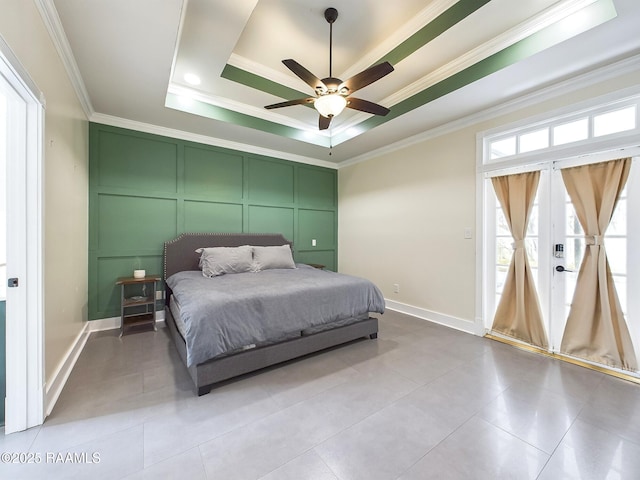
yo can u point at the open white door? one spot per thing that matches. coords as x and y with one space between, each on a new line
24 275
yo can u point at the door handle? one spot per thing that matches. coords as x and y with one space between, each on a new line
560 268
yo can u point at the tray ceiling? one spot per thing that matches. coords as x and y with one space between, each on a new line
451 59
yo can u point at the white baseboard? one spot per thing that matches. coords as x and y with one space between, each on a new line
468 326
53 388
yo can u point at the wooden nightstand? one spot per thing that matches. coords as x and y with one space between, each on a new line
137 302
316 265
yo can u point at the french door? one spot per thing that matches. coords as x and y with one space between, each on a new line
555 245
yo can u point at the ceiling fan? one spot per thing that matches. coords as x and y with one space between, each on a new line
332 94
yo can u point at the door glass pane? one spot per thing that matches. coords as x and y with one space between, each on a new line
501 276
502 228
618 225
531 240
617 254
532 228
570 279
573 226
621 290
504 251
575 243
531 245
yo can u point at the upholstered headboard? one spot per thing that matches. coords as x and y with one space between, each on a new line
180 253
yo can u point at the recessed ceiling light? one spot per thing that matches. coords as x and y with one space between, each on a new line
192 78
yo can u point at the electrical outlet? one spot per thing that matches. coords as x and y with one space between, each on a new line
396 288
313 242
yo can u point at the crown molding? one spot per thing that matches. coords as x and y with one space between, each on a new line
53 24
609 72
206 140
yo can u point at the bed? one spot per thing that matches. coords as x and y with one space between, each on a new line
236 323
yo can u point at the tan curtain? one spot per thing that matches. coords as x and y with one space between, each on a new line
596 329
518 314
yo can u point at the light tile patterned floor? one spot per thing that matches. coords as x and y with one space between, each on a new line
422 401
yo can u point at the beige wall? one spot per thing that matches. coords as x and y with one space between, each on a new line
65 180
401 219
402 215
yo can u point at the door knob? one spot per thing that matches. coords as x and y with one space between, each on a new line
560 268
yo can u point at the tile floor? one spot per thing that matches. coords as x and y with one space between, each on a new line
422 401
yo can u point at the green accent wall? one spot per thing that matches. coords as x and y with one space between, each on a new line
146 189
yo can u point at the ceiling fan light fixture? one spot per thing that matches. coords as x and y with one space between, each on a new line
330 105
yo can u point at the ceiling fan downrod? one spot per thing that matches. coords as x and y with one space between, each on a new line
331 15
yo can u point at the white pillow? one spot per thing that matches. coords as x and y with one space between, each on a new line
216 261
265 258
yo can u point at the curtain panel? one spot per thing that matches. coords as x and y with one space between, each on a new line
518 314
596 329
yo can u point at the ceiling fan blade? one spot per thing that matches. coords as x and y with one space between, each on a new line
367 77
299 101
366 106
308 77
323 122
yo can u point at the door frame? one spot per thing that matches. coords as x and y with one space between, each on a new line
24 404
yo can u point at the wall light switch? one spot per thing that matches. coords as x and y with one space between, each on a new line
313 242
467 233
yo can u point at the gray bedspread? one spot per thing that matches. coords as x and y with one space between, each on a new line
226 313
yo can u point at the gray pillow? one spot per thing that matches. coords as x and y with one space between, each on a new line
265 258
216 261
